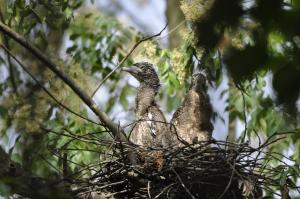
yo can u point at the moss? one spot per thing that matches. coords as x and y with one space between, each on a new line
196 9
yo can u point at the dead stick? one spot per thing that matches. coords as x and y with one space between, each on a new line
183 185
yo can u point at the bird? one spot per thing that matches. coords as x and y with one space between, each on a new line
151 128
191 122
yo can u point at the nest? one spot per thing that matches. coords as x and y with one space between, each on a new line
211 170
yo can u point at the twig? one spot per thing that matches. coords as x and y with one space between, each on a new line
165 189
40 85
267 142
111 184
183 185
195 167
71 83
11 67
148 189
112 194
126 57
172 30
49 163
230 181
74 137
245 117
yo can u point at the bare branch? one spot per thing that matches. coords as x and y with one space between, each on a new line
183 185
126 57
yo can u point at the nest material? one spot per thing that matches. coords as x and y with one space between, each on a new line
211 170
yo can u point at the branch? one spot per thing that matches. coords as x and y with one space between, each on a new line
41 86
183 185
126 57
19 181
114 128
11 67
245 119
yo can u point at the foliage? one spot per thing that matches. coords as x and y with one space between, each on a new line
256 36
44 130
40 131
253 41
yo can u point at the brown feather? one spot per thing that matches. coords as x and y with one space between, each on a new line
192 120
143 133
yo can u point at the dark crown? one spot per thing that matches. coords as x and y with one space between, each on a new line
146 74
199 81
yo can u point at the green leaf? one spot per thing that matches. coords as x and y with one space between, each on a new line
74 36
71 49
283 177
123 96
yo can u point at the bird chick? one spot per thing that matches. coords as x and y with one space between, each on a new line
191 122
151 127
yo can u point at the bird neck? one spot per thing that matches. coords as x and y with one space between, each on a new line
145 98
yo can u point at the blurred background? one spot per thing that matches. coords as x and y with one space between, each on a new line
249 50
149 17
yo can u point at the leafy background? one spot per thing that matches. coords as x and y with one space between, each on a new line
248 49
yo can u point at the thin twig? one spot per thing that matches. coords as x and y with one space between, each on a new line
111 184
245 117
44 88
172 30
183 185
126 57
164 189
103 117
267 142
230 181
148 189
112 194
11 67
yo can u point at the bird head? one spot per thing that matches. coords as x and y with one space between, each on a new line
199 82
144 72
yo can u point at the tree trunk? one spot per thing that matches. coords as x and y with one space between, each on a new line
174 17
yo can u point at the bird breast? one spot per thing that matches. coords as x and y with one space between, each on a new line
190 118
151 130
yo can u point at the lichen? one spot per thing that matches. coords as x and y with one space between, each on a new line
148 52
195 9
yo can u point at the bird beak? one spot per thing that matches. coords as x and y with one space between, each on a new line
134 70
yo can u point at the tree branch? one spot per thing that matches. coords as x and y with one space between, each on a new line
114 128
21 182
9 53
11 67
126 57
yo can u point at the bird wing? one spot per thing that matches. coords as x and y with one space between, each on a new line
191 119
151 123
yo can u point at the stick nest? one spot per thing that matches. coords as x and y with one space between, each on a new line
211 170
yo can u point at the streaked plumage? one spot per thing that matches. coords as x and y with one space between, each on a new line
191 122
151 128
